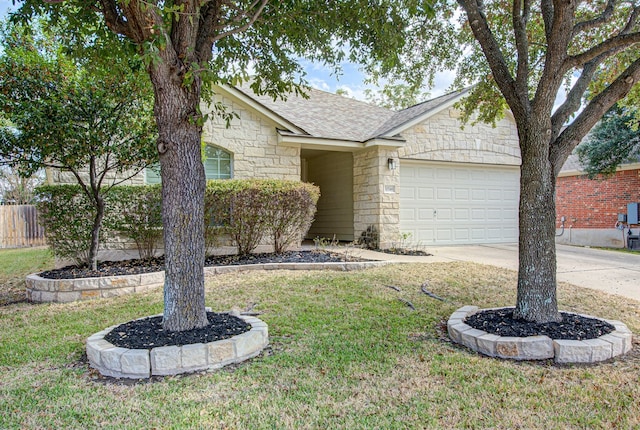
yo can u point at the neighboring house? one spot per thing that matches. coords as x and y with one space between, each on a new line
415 171
591 206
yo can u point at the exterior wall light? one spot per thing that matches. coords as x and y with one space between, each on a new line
392 163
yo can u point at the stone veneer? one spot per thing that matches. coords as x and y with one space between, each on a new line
539 347
252 141
69 290
376 194
117 362
442 138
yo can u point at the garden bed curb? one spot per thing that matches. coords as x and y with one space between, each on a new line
603 348
118 362
43 290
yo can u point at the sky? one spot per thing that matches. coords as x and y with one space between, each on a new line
351 80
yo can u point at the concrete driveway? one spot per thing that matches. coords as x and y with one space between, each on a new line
610 271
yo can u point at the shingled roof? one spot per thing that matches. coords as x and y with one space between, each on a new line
331 116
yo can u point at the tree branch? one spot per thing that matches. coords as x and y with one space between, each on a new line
495 58
607 48
558 37
574 98
241 16
603 18
597 107
520 15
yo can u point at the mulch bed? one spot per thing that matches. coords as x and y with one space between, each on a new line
148 333
135 267
572 327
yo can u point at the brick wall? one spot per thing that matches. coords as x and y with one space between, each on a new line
593 204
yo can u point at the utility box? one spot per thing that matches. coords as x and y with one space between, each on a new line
622 218
633 213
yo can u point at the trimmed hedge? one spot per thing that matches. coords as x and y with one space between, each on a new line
67 216
136 212
249 211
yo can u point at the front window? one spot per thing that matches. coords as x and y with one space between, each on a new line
217 165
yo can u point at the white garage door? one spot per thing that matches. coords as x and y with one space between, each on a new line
447 203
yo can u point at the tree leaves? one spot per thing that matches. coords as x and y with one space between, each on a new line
614 141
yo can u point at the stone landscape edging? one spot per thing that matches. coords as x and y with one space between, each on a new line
118 362
602 348
44 290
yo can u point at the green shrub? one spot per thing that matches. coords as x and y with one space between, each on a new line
290 212
67 216
136 213
250 210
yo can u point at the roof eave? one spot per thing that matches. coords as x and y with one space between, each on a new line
575 172
331 144
426 115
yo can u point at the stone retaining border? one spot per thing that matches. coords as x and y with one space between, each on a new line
603 348
43 290
117 362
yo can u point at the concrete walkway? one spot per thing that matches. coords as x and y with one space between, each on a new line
610 271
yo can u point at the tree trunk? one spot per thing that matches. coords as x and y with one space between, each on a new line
92 258
183 186
537 249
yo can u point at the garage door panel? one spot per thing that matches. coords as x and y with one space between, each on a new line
444 194
461 214
426 193
445 214
478 195
461 203
461 234
444 235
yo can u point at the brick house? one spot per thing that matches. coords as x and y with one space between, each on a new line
591 207
413 171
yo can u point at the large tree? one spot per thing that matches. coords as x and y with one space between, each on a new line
91 119
522 55
189 44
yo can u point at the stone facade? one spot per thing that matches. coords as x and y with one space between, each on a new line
442 137
257 141
376 194
252 141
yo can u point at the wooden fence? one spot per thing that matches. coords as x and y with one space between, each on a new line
19 227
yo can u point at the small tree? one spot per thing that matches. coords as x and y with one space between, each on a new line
613 141
90 119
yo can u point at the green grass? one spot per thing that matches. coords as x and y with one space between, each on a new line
15 265
21 262
345 353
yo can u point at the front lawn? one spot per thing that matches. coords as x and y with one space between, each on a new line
15 264
345 353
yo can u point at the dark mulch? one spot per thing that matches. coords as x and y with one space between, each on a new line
572 326
405 251
134 267
148 333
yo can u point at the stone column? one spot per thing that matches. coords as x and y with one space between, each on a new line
376 194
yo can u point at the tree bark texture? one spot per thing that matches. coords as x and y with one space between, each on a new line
95 232
183 186
536 300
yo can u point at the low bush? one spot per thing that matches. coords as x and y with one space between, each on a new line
136 213
250 210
